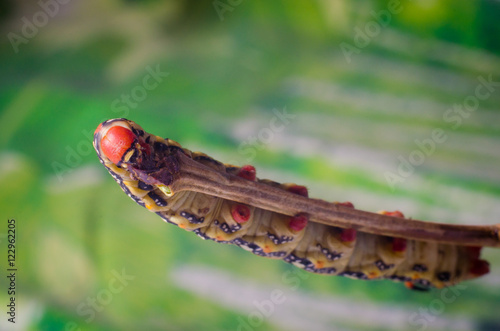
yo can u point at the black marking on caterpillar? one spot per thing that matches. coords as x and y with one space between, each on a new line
397 278
301 262
138 132
332 256
160 147
226 228
325 270
419 268
418 287
127 191
202 235
354 274
157 199
307 265
191 218
382 266
421 284
204 158
444 276
279 240
271 254
249 246
144 186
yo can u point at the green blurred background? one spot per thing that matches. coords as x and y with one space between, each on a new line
361 80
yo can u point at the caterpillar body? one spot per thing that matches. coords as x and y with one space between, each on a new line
137 161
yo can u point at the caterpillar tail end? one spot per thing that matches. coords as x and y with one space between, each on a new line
477 266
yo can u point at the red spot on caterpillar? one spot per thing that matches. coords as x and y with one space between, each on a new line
348 235
479 267
347 204
116 142
398 244
298 222
247 172
240 213
395 213
298 189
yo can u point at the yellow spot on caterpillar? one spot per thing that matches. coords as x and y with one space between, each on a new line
373 274
149 206
219 238
128 155
320 264
166 190
182 225
267 249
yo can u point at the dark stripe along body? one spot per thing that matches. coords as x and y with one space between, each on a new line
316 247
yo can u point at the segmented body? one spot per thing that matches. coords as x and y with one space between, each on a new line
311 246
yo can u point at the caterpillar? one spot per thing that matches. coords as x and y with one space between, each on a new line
148 167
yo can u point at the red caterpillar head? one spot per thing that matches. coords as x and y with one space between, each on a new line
117 140
121 143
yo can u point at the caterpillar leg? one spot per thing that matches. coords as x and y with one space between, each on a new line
325 250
